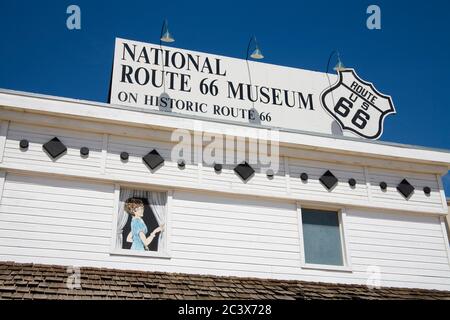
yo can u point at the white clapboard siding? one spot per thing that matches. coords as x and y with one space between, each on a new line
35 157
69 222
400 245
316 169
135 166
259 182
391 195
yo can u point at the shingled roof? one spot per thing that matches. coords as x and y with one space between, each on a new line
35 281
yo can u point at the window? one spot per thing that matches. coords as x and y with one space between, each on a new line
322 237
141 222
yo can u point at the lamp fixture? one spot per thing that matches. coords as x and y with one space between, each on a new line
165 33
339 66
256 54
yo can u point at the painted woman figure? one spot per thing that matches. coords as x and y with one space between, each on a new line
138 233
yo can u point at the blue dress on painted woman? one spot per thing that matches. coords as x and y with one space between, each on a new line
137 226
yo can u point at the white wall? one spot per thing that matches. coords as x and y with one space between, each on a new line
104 163
69 222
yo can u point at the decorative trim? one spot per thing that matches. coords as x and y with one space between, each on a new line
135 253
300 235
328 180
217 167
445 236
127 116
344 238
24 144
200 173
84 152
244 170
55 148
2 184
304 177
327 267
4 126
124 156
368 185
442 193
144 182
104 153
168 249
287 175
153 160
115 210
405 188
181 164
352 182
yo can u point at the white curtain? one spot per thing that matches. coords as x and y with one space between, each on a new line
122 216
158 204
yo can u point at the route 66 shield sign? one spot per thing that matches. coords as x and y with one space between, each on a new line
356 105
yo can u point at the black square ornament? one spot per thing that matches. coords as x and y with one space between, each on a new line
328 180
405 188
54 148
244 170
153 159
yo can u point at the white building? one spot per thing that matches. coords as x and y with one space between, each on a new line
68 210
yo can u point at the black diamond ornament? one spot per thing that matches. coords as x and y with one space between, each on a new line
244 170
405 188
54 148
328 180
153 159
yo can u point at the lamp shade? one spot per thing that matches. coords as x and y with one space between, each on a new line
257 54
167 37
165 33
339 66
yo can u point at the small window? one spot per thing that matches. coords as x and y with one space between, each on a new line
322 237
141 221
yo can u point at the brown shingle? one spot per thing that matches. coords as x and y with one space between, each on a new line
30 281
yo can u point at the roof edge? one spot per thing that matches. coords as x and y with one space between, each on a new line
327 141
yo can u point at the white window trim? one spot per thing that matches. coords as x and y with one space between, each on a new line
165 253
342 215
134 253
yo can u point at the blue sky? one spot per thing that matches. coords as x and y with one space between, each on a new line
408 58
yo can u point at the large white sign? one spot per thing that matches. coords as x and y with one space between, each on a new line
206 85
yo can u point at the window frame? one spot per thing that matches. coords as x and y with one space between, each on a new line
164 253
342 215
